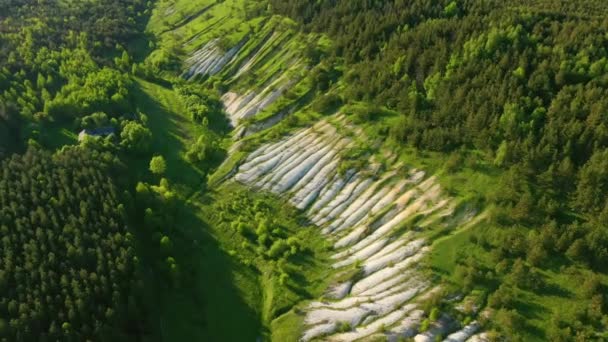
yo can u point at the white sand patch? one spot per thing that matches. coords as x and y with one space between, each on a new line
399 288
407 197
355 315
314 177
242 107
345 303
272 151
415 178
381 199
301 169
275 158
352 316
346 192
365 217
259 152
308 193
271 147
393 246
388 284
292 157
429 184
234 102
210 59
361 214
377 234
419 204
357 209
389 303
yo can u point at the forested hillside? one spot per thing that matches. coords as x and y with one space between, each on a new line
55 58
70 263
525 83
68 267
304 170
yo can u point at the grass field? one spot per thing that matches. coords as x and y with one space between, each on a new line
257 276
229 282
217 293
193 23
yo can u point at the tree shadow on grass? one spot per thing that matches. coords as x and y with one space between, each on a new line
168 140
209 305
206 305
530 310
552 289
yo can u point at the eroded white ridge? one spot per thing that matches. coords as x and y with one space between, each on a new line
463 334
241 107
210 59
370 217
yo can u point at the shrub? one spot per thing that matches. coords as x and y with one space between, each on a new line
278 248
344 327
424 326
158 165
327 103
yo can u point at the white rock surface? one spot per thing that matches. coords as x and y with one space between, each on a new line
210 59
407 327
373 327
438 328
365 219
241 107
481 337
463 334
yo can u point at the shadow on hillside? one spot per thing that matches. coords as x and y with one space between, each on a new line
205 305
212 306
166 128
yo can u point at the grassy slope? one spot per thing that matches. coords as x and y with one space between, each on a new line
227 20
261 288
185 23
197 310
469 181
227 286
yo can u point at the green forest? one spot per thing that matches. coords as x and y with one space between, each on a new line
327 170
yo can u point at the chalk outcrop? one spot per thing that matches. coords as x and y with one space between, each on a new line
369 216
